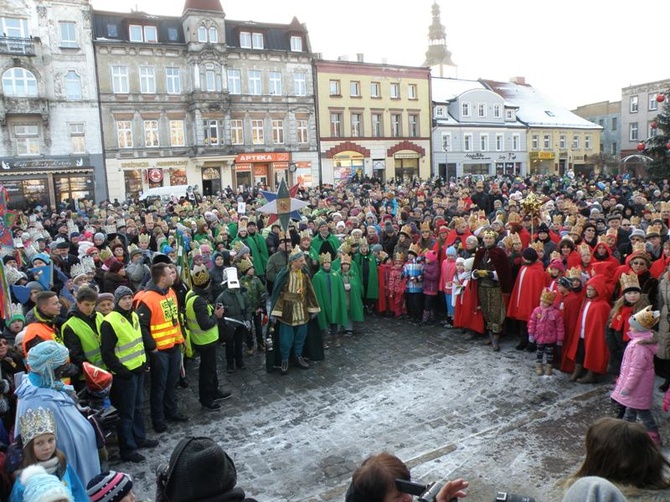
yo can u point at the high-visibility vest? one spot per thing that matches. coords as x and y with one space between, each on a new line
129 344
89 338
41 331
164 323
199 336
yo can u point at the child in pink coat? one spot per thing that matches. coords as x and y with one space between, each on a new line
635 386
447 273
546 330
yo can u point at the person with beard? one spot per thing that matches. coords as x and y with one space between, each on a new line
526 294
324 241
492 272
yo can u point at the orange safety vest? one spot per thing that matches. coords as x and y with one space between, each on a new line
38 330
164 323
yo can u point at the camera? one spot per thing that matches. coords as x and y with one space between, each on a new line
426 493
511 497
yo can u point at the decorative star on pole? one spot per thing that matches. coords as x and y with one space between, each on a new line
282 205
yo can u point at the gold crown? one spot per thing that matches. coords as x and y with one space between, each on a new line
514 218
628 281
557 219
548 296
325 258
555 255
105 254
425 227
306 234
647 318
573 273
537 246
489 232
605 239
34 423
653 230
144 238
640 248
399 256
244 265
584 248
345 258
635 220
414 248
665 207
407 230
656 216
200 275
458 221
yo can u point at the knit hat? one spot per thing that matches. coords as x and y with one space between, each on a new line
388 227
543 228
200 276
529 254
645 319
104 296
198 469
99 236
8 258
120 292
377 248
451 251
41 256
109 486
566 283
114 265
35 286
557 264
39 486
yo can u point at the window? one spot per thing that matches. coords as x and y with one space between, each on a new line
563 142
27 139
173 80
173 35
395 90
377 125
446 142
213 35
150 34
211 78
653 104
236 132
77 138
296 44
147 80
587 141
275 83
120 80
411 91
211 129
356 125
257 132
440 111
484 142
516 142
257 40
465 109
112 31
614 123
255 85
124 133
481 110
301 131
17 82
500 142
14 28
375 89
497 111
278 132
335 124
72 86
245 40
208 34
68 34
177 133
575 142
634 104
413 125
151 133
140 33
546 142
633 133
234 82
202 34
299 84
651 131
614 148
396 125
467 142
355 89
334 86
509 115
535 142
601 123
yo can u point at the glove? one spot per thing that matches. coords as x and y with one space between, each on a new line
531 339
475 273
489 274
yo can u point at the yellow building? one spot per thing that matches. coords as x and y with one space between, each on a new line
374 120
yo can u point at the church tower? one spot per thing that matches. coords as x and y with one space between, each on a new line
438 56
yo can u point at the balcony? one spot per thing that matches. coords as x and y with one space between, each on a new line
23 106
17 46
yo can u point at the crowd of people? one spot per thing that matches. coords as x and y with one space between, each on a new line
576 270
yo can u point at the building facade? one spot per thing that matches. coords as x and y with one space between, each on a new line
204 101
474 131
374 120
608 116
639 108
50 145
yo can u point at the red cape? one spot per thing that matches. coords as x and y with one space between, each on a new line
526 293
467 314
572 303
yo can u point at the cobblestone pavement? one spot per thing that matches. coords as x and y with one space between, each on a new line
446 405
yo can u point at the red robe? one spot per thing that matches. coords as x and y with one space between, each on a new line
526 292
383 270
453 238
592 317
467 314
569 306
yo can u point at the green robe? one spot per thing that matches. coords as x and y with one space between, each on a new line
259 251
355 307
333 301
372 292
319 245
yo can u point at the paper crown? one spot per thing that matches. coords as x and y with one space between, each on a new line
144 239
425 226
295 254
345 258
488 232
514 218
629 282
653 231
200 276
645 319
305 234
13 275
105 254
399 256
665 206
77 269
88 263
555 255
244 265
557 219
584 248
15 312
537 246
634 220
548 296
324 258
34 423
415 248
574 273
110 229
407 230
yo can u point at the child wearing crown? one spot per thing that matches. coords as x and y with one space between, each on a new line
38 434
635 386
547 330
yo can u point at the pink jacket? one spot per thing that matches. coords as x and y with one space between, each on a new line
545 324
431 278
448 270
635 386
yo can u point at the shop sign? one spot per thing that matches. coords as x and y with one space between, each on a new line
7 164
263 157
540 155
155 175
477 156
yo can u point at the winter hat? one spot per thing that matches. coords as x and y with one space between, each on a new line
35 286
8 258
431 256
120 292
638 232
451 251
593 488
99 236
200 276
566 283
198 469
41 256
645 319
543 228
104 296
43 360
388 227
114 265
468 264
109 486
39 486
471 239
557 264
529 254
377 248
135 252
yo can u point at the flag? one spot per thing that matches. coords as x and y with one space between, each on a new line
7 219
5 296
182 259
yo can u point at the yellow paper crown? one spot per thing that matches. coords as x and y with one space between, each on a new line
345 258
324 258
425 226
629 280
414 248
537 246
647 318
548 296
144 238
573 273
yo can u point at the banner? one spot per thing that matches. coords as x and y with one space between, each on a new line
7 219
5 296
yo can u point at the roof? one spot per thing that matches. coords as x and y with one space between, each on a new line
210 5
536 109
448 89
277 36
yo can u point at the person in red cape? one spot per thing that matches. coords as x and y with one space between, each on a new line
639 262
588 348
440 246
555 271
602 261
383 270
568 301
467 315
458 234
659 267
526 295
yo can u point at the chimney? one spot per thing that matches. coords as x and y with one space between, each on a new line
518 80
360 57
343 58
318 55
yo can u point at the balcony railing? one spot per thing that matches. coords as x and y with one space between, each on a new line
16 45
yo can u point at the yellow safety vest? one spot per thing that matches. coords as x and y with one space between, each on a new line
90 339
129 345
199 336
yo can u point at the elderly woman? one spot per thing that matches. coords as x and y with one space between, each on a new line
42 387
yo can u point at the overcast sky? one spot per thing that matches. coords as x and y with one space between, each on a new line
574 51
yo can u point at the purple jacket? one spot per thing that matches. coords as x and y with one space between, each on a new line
635 386
545 324
431 277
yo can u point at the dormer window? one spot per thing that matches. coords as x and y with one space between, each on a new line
296 44
139 33
251 40
206 34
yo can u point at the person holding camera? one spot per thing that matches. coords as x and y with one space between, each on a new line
384 477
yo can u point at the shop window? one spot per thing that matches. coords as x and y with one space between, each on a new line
178 176
71 189
133 182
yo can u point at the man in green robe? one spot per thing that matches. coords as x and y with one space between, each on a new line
324 241
367 269
353 293
329 290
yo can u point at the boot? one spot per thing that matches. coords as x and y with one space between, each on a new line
539 369
489 339
284 366
495 342
590 377
579 368
549 370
